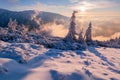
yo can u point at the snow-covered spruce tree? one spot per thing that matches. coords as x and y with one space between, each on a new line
119 41
16 33
3 32
11 32
80 38
22 33
71 34
83 44
12 25
88 35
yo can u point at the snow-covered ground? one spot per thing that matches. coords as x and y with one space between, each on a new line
26 61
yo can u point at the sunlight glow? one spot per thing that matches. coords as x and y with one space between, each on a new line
82 9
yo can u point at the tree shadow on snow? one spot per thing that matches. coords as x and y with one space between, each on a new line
14 71
98 54
73 76
81 53
40 59
55 75
114 70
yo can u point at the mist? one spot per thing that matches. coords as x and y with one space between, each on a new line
103 27
57 30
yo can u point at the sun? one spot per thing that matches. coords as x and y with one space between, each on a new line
82 9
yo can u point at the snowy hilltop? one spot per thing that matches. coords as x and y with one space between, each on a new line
27 61
34 54
31 18
22 34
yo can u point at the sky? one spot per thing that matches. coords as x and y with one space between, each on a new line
62 6
104 14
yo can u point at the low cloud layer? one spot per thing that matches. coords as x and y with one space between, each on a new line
102 29
55 29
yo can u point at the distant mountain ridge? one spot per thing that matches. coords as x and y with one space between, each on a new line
31 18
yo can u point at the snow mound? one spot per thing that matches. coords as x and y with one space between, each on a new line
11 70
96 63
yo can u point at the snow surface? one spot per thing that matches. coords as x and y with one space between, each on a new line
27 61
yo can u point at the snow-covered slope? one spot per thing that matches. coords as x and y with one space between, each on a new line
26 61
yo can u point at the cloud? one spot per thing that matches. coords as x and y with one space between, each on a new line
73 1
65 9
43 7
94 4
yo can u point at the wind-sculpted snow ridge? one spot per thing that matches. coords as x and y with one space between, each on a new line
27 61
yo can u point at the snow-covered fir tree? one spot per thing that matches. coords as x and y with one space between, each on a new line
71 34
